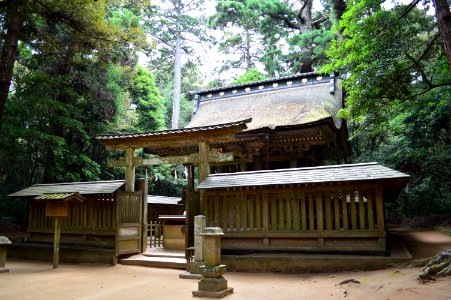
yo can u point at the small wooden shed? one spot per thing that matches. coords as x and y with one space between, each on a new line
108 217
322 209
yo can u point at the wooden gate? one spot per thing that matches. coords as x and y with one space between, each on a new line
129 220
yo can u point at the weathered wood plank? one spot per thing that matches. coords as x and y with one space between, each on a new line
273 211
361 210
370 209
336 210
380 209
288 203
265 212
296 217
251 211
327 204
303 198
344 209
353 208
319 211
311 211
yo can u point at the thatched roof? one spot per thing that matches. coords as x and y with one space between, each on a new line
271 104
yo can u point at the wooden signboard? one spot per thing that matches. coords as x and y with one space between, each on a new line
56 208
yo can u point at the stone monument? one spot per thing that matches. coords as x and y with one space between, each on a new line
212 284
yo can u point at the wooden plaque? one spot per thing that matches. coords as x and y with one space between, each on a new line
56 208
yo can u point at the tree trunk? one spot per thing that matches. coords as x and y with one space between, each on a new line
248 56
9 53
443 16
177 70
338 9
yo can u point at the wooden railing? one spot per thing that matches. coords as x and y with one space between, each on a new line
155 233
318 212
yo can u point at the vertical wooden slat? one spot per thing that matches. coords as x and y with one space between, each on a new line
327 204
265 212
244 211
336 210
319 211
251 211
232 209
353 209
217 202
370 208
238 211
273 211
258 205
303 198
361 210
311 211
296 219
288 202
281 211
380 209
224 211
344 209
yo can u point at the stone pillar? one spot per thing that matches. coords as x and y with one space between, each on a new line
212 284
194 266
4 242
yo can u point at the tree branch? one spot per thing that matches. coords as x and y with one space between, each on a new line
287 21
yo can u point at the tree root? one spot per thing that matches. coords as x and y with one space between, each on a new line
438 266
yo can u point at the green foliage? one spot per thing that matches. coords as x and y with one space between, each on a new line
250 76
398 108
272 25
146 96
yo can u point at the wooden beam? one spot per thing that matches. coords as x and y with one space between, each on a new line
213 157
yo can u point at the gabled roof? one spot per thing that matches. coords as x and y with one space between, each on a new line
82 188
324 174
287 101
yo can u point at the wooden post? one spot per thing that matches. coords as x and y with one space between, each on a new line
56 243
129 170
204 170
144 189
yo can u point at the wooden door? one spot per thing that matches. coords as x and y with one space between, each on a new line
129 223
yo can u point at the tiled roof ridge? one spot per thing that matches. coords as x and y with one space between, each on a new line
274 79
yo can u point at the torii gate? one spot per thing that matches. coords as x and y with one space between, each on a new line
196 138
201 137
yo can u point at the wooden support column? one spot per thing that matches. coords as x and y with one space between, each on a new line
204 170
129 170
56 243
143 187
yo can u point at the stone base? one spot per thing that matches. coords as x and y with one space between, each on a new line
220 294
194 267
188 275
4 270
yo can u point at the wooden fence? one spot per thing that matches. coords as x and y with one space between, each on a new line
155 233
326 218
92 221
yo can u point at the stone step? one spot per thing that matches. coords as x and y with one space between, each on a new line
164 253
152 261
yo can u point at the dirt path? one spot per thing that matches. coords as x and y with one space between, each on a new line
36 280
424 243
